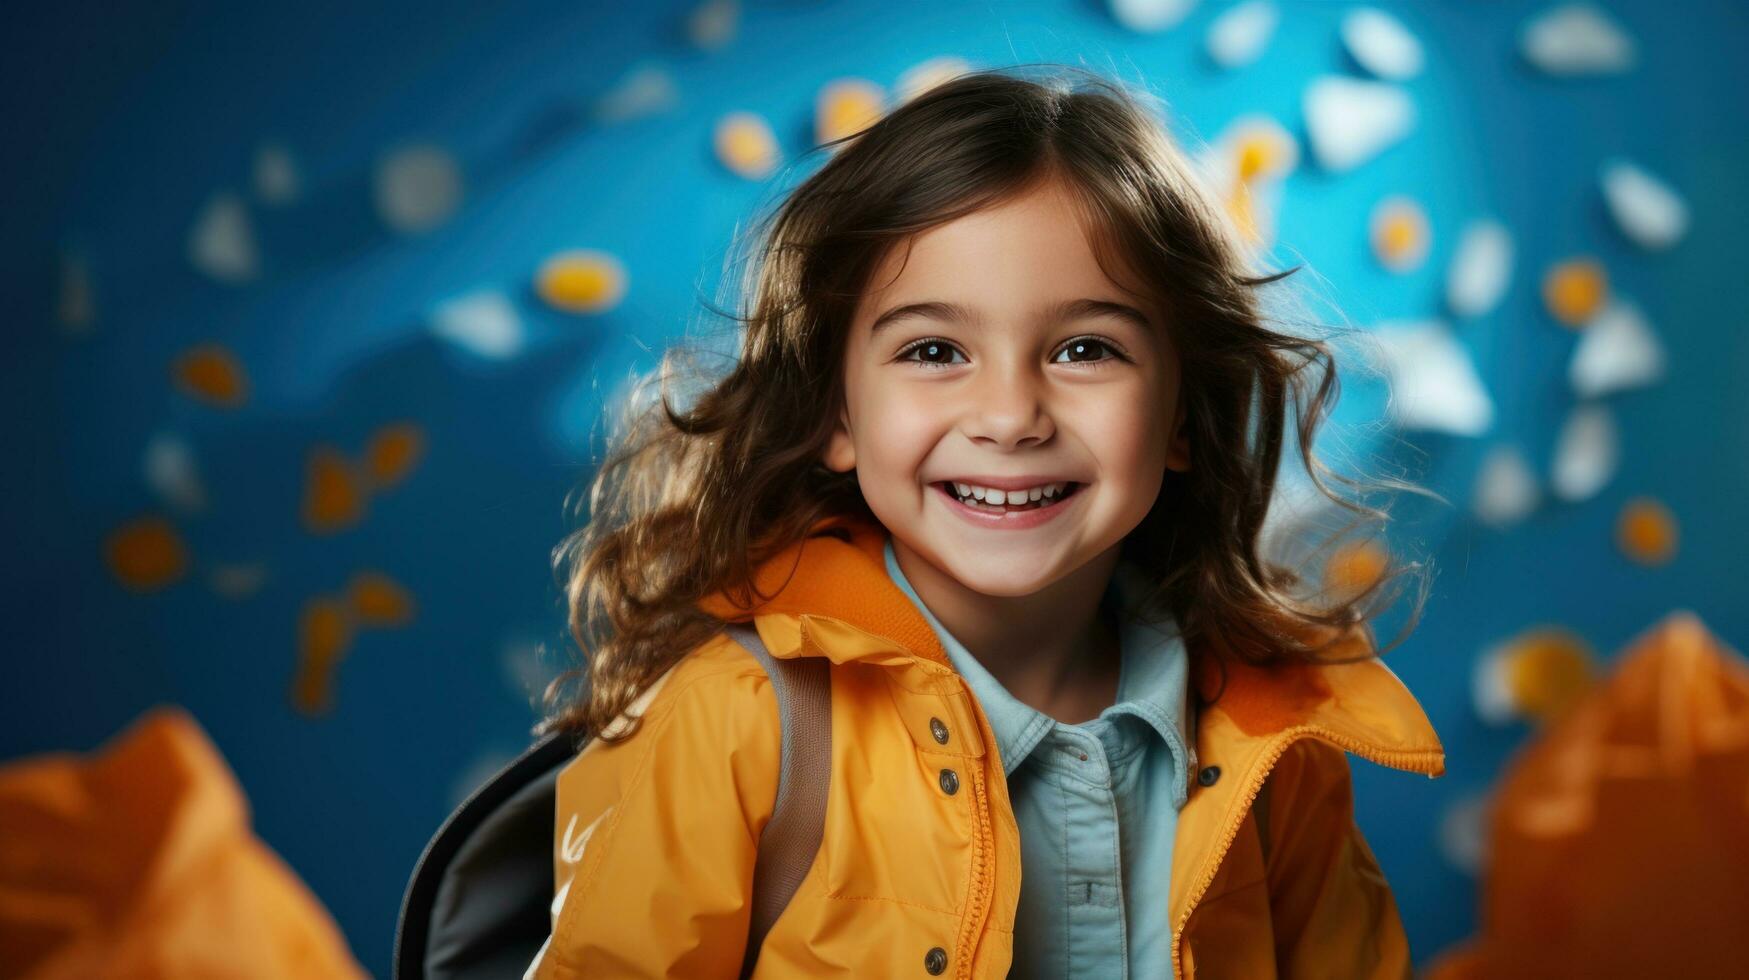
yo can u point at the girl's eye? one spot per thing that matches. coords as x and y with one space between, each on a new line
934 352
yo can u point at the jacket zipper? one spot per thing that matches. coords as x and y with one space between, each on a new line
1411 760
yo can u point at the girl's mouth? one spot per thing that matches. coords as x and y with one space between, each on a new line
1044 502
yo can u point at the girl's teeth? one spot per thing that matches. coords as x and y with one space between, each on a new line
1035 493
1011 498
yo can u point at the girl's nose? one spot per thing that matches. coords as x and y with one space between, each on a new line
1008 409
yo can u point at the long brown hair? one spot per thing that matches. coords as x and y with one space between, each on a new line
692 498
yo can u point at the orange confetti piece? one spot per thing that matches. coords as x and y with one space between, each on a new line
333 499
1646 531
324 636
1547 671
1575 291
581 281
378 600
1354 567
393 452
146 555
211 373
847 107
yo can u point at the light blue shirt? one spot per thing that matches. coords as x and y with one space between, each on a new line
1097 803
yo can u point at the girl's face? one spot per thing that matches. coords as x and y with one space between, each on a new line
999 355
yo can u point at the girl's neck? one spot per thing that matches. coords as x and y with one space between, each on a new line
1052 650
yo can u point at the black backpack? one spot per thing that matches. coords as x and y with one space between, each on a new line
478 903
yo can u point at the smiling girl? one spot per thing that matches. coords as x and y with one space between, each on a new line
997 447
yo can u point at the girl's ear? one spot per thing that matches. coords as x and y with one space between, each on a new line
1178 453
840 453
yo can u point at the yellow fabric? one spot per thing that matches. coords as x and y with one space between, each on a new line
656 837
138 862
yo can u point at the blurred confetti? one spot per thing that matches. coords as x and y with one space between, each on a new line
1575 290
1506 490
1149 16
1536 675
1648 211
146 554
1401 235
744 143
485 324
276 176
581 281
417 188
1241 33
212 374
1354 567
1379 43
392 453
75 305
926 75
171 473
377 600
333 493
846 107
1434 384
1349 121
324 636
1463 833
1618 350
1246 167
1480 270
1576 39
222 242
646 90
1586 453
237 580
1646 531
712 24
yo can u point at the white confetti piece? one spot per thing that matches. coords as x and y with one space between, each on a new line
746 145
644 91
1617 350
1239 36
238 580
1586 453
276 176
171 473
1148 16
1576 39
1506 490
76 304
713 24
1463 833
417 188
1648 211
922 77
1349 122
1480 269
484 323
222 242
1434 385
1381 44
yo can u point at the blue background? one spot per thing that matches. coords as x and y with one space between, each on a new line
124 118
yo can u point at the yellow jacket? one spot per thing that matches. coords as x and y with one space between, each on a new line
656 837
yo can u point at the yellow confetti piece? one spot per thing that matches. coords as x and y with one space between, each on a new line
1400 234
146 554
333 498
847 107
1243 212
920 78
393 452
1353 568
378 600
581 281
1263 151
1646 531
746 145
1575 291
1547 670
324 636
211 373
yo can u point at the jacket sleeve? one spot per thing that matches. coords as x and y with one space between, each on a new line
1332 910
655 837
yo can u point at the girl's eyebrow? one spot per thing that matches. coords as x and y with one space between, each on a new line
1074 309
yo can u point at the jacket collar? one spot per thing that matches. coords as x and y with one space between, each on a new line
834 585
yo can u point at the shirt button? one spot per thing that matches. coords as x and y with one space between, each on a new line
935 961
1208 775
939 730
950 782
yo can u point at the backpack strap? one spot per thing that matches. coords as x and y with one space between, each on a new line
791 839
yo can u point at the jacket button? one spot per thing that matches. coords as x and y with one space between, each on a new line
939 730
935 961
950 782
1208 775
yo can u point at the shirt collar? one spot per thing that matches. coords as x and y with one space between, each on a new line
1152 686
